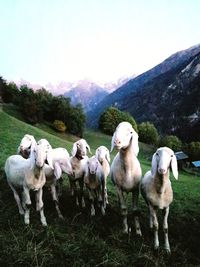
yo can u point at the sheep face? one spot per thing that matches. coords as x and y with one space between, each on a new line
25 145
43 152
162 160
122 137
80 148
92 165
102 153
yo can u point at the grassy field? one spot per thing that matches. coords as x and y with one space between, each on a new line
79 240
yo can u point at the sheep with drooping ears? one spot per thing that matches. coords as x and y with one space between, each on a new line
103 156
61 163
95 183
78 161
157 191
125 169
28 174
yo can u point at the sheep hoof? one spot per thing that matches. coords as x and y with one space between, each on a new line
21 212
44 223
138 232
27 221
61 217
103 211
168 251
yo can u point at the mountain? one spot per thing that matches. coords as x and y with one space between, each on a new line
87 93
167 95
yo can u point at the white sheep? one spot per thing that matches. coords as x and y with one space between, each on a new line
26 174
157 191
103 156
125 169
25 145
94 181
78 161
61 163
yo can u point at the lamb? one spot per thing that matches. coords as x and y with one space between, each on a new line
94 181
125 169
25 145
157 191
26 174
103 156
78 161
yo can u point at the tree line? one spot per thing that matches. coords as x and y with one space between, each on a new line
41 105
147 132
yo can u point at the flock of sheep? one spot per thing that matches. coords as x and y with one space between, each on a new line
37 164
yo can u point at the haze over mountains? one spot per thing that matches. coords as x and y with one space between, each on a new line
167 95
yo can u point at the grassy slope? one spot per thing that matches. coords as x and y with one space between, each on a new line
80 240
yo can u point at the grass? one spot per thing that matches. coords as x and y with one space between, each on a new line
79 240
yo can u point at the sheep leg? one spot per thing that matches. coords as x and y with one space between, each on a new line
81 185
103 195
165 229
40 206
71 183
124 211
17 198
55 199
134 205
59 186
100 200
91 198
155 225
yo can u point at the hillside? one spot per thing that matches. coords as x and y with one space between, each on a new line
167 95
79 240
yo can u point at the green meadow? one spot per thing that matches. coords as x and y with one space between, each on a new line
80 240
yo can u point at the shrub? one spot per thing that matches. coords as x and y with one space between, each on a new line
111 117
59 126
172 142
193 150
148 133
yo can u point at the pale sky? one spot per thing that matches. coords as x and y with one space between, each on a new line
52 40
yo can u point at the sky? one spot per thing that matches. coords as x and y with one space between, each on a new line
47 41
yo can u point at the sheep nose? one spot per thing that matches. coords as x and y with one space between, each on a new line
21 147
117 142
162 171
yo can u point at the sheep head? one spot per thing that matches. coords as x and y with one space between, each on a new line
92 165
80 148
43 152
102 153
63 165
162 160
25 145
123 136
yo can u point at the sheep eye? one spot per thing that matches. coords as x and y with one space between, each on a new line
29 147
131 132
172 156
157 154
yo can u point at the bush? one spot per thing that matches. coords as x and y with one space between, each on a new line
148 133
172 142
111 117
193 150
59 126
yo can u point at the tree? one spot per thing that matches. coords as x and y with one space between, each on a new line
193 150
172 142
148 133
111 117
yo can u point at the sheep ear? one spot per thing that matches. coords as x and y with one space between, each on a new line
135 142
154 165
57 170
96 154
18 150
50 159
174 167
88 148
108 156
74 150
112 142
